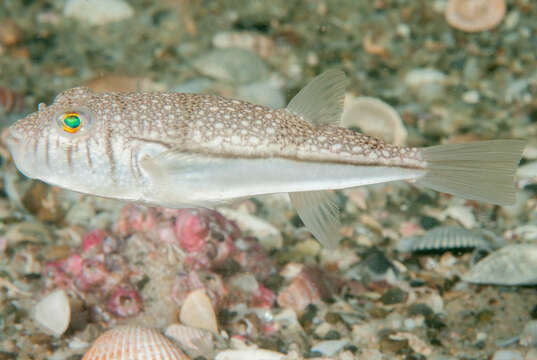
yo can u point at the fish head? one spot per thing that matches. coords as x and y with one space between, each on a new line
62 143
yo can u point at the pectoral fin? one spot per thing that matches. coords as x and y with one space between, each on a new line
320 214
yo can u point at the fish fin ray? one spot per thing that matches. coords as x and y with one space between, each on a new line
320 214
482 171
321 101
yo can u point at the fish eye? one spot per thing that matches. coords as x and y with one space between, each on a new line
72 121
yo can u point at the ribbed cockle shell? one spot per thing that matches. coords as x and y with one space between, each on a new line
133 343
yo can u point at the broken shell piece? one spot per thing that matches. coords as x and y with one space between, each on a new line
309 286
196 342
511 265
53 312
133 343
249 354
269 236
197 311
474 15
374 117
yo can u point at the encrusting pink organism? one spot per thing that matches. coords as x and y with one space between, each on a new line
134 219
93 239
99 269
191 230
124 301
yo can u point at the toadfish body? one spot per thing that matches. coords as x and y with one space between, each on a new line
191 150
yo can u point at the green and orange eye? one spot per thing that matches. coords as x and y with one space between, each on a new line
71 122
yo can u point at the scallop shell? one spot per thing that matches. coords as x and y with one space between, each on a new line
474 15
193 341
197 311
449 237
511 265
133 343
374 117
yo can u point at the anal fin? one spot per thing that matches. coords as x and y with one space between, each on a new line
320 214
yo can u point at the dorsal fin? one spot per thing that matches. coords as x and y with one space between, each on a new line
321 101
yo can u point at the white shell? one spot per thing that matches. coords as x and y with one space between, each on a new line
511 265
374 117
194 341
197 311
330 347
269 236
249 354
133 343
53 312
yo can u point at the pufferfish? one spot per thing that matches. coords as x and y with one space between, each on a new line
192 150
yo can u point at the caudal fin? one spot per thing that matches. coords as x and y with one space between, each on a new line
481 171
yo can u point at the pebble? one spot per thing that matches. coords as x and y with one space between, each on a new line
232 65
415 343
98 12
374 117
268 235
198 312
420 77
10 33
471 97
515 90
192 86
529 334
53 312
393 296
121 83
262 93
510 265
257 43
249 354
507 355
462 214
330 347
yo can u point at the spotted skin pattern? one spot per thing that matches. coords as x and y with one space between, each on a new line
219 126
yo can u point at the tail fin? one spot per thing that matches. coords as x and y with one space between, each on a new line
481 171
